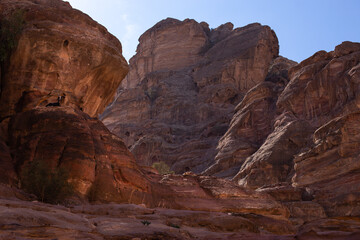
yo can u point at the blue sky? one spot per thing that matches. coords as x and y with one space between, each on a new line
303 27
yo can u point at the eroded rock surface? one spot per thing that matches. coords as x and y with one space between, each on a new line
60 51
184 82
252 124
98 162
113 221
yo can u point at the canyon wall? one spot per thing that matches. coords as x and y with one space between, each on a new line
182 87
217 102
62 52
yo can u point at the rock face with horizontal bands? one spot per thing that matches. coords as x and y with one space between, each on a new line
184 82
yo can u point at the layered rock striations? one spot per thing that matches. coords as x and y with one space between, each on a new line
182 87
66 134
60 51
252 122
312 140
62 54
217 101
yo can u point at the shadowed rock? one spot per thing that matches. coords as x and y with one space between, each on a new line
184 82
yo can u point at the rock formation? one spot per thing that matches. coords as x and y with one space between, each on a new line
313 135
220 101
183 84
62 53
67 135
293 134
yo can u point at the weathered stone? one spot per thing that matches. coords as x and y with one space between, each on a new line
273 163
323 87
98 162
61 51
332 228
29 220
183 84
251 124
331 166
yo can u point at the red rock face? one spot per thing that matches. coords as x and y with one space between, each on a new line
63 52
64 137
60 51
99 164
178 98
292 146
250 126
312 139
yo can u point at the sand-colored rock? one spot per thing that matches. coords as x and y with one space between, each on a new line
183 85
60 51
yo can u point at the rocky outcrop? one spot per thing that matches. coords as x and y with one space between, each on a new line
21 219
330 168
182 87
251 124
309 138
61 51
98 162
67 135
63 71
277 119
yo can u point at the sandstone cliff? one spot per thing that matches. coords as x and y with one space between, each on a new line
69 136
311 137
62 52
182 87
217 100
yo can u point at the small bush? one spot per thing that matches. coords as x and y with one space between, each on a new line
47 185
162 168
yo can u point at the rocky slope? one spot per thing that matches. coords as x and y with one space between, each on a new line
33 220
182 87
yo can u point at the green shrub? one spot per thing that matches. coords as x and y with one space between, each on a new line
47 185
162 168
10 29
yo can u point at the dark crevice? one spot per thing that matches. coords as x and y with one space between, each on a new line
61 158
